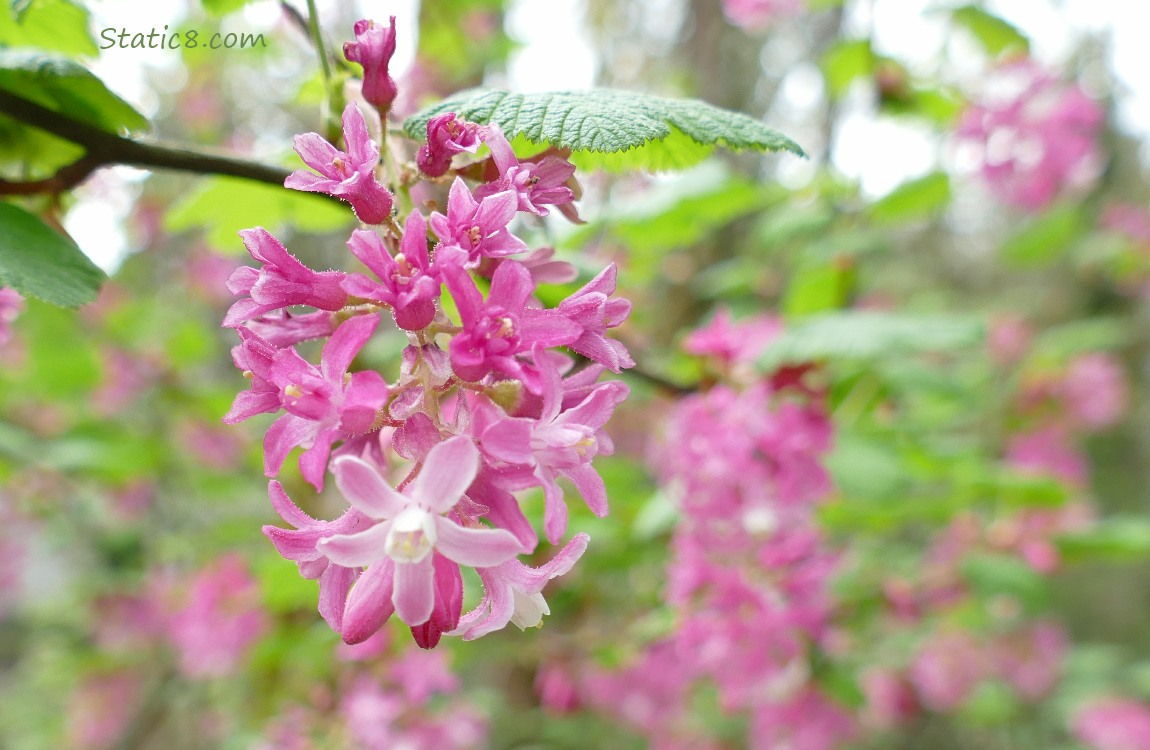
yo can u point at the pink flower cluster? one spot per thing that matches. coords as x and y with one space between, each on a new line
483 405
749 574
1034 136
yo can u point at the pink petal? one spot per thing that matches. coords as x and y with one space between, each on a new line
532 580
554 507
590 486
344 344
414 595
369 604
360 147
358 549
509 441
284 434
493 613
478 548
287 510
511 285
316 152
333 587
448 471
366 489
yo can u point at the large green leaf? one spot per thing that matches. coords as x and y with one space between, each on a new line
42 263
612 129
55 25
869 335
67 87
914 199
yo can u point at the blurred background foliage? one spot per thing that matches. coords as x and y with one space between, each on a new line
942 323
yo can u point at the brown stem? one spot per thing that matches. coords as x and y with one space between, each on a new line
105 149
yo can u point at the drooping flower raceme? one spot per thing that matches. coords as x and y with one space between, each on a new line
482 406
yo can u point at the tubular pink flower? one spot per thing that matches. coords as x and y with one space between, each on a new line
496 330
447 135
323 404
412 526
347 175
254 357
535 184
479 228
409 283
282 329
592 309
299 545
559 443
373 47
513 592
280 282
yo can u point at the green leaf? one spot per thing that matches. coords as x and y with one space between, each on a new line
845 62
53 25
1119 539
39 262
225 205
611 129
1060 343
1044 238
67 87
222 7
869 335
994 34
914 199
994 574
815 289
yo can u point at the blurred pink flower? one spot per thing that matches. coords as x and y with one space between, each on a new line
1047 451
1031 659
1114 724
1008 339
1035 136
101 708
1095 391
221 620
890 700
947 668
1129 220
11 303
754 15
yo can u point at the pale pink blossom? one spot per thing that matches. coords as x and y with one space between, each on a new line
1114 724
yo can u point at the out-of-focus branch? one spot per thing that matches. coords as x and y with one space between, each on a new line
106 149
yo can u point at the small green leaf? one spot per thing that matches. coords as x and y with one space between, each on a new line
869 335
612 129
37 261
845 62
225 205
914 199
1044 238
995 574
815 289
67 87
994 34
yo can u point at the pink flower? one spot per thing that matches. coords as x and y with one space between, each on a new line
1047 451
1035 136
323 404
1094 391
254 357
11 303
373 47
535 184
559 443
398 550
1008 339
947 669
1031 660
731 342
500 328
593 310
101 709
221 620
409 283
282 328
1114 724
446 136
754 15
808 721
513 592
478 227
280 282
348 175
300 545
1129 220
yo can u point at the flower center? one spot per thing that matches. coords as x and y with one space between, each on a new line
412 535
